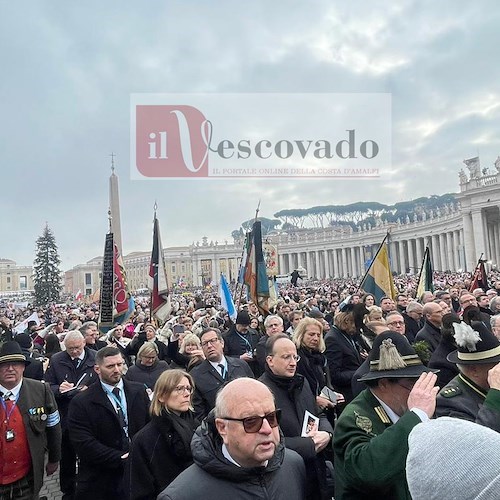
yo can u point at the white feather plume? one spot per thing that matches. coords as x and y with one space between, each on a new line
465 336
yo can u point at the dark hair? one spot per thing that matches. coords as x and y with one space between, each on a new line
447 327
272 340
52 345
105 352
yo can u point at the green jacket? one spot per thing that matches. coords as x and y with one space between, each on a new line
370 451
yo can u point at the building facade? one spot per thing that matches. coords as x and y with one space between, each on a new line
457 236
14 278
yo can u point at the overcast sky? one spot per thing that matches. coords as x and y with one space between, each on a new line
69 68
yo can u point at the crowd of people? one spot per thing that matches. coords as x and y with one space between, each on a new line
335 393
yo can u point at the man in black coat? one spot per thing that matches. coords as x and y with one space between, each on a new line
102 420
210 375
431 331
241 341
294 397
69 372
413 320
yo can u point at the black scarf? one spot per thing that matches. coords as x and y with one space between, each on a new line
177 431
312 366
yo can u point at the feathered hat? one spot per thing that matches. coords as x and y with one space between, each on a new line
392 356
475 344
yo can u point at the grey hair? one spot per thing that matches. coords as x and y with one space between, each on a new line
87 326
73 335
493 320
270 318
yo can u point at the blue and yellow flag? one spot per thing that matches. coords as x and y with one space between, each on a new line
378 280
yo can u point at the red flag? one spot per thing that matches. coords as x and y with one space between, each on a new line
480 279
160 298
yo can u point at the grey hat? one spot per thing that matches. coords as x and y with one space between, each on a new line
454 459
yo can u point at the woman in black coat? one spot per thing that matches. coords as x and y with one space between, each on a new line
148 367
162 449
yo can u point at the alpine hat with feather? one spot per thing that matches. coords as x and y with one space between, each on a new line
392 356
476 345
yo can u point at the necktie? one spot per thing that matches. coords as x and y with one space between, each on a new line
76 362
121 417
6 396
222 369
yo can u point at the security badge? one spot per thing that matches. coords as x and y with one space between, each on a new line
9 435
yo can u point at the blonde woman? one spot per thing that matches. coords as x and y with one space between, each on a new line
161 450
185 354
147 367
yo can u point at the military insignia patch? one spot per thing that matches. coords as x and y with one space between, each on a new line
450 392
364 423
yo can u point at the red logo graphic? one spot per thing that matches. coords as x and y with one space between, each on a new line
172 141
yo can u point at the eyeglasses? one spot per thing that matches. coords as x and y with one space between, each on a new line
396 323
252 425
210 341
180 389
289 357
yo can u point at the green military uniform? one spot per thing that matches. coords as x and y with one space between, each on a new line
370 451
464 399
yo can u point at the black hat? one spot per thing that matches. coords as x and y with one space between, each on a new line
392 356
10 352
316 313
24 340
476 345
243 318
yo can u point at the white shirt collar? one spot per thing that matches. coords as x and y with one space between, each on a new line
109 388
15 390
390 413
216 364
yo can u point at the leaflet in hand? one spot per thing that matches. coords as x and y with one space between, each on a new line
329 394
81 382
310 422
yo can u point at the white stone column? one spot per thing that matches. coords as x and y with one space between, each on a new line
496 235
469 243
310 270
449 248
411 259
435 252
326 254
419 251
442 252
353 263
216 270
403 260
317 259
344 262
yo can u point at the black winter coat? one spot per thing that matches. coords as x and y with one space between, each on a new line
293 397
159 453
146 375
96 435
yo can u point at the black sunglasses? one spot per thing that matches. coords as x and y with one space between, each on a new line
254 424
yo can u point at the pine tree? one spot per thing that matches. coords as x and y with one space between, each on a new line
47 276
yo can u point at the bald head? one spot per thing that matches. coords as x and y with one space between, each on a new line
433 313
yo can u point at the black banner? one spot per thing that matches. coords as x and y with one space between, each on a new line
107 283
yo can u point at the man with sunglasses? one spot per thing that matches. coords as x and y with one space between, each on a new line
238 452
370 434
212 373
294 397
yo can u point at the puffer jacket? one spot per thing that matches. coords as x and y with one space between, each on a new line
213 477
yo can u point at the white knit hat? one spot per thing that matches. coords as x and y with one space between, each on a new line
452 459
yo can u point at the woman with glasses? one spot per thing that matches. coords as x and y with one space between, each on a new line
148 367
162 449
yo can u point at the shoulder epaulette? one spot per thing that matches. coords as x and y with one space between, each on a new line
379 410
451 392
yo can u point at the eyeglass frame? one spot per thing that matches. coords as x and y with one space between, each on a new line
206 343
180 389
288 357
274 415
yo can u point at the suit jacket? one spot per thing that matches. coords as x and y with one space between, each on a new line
37 397
96 434
60 369
430 334
208 381
35 369
343 360
370 451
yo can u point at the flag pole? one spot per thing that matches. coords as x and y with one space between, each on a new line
155 208
373 260
421 269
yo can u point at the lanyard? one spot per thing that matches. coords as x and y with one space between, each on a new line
119 404
9 413
249 346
